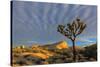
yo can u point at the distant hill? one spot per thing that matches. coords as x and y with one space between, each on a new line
77 48
93 46
57 45
91 51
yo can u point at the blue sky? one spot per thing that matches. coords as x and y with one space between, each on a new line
36 22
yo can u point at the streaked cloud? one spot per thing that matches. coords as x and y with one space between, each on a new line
37 21
85 40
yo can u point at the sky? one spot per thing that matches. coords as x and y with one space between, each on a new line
36 22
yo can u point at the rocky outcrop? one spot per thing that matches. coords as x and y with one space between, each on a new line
62 45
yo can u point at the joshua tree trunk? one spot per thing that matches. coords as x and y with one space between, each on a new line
74 51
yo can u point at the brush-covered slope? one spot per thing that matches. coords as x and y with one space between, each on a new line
58 52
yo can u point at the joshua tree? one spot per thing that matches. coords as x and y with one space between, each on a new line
71 31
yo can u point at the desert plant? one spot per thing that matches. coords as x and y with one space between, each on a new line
54 59
71 31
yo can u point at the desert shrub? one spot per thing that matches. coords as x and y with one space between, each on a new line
59 59
35 60
62 56
15 55
21 62
68 60
67 52
64 52
53 59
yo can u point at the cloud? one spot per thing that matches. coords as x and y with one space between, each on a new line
32 42
88 40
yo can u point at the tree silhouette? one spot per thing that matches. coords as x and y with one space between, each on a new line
71 31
